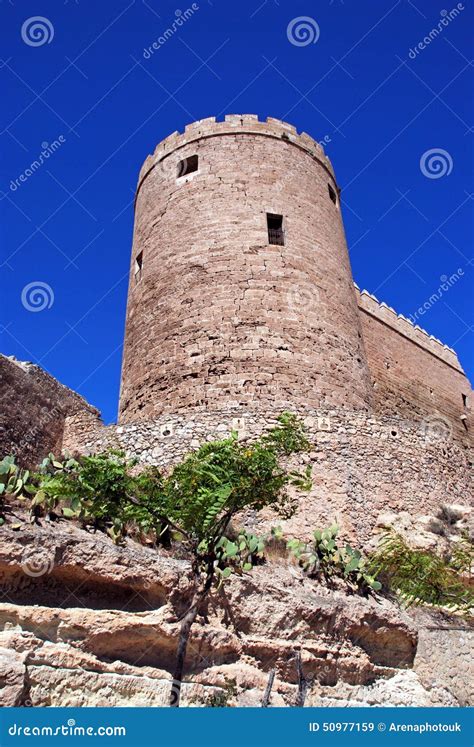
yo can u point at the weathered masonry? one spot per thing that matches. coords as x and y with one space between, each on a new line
242 304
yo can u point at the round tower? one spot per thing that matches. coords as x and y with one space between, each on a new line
241 292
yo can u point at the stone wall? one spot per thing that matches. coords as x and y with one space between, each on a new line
33 406
444 653
217 316
362 464
415 376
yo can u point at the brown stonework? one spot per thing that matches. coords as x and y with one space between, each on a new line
361 464
33 408
415 376
225 330
216 314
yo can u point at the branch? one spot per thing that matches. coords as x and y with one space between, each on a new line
268 689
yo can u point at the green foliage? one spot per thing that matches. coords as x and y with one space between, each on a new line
324 557
13 479
222 478
421 577
195 501
221 698
52 484
462 557
289 437
97 490
236 556
14 482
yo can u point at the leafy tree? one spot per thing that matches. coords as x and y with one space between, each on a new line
206 491
195 503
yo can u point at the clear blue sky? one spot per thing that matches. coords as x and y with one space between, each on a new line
69 225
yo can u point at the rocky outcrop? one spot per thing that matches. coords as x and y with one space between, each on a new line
103 630
434 533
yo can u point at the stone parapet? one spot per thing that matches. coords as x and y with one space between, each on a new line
404 326
236 124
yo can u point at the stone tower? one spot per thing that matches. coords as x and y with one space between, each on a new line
241 292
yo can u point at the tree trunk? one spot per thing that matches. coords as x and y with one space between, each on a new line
268 689
185 630
302 682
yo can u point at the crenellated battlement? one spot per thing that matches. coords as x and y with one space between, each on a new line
248 124
404 326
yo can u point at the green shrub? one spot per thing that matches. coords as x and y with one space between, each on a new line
325 558
420 576
195 503
14 482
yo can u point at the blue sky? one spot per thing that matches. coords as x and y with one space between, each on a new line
81 79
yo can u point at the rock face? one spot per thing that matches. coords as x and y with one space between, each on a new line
103 631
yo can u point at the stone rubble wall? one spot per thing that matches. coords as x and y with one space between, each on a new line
33 407
362 465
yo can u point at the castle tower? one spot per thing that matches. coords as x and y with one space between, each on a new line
241 292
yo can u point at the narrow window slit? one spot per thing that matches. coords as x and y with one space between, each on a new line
138 267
